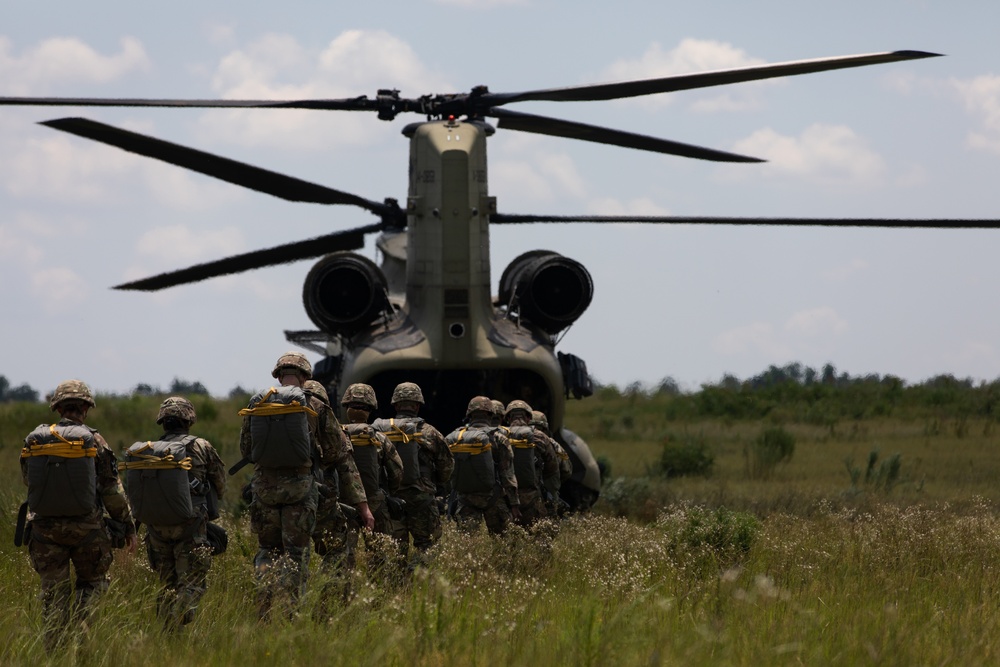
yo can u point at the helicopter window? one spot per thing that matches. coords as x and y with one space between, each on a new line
457 330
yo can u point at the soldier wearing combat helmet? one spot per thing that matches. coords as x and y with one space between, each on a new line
427 466
284 431
177 543
68 511
484 476
536 463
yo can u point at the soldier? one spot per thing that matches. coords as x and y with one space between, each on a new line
536 465
72 478
496 420
484 473
427 466
378 462
554 503
284 432
176 502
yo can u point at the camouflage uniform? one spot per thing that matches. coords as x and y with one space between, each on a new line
283 513
496 507
56 541
536 465
181 554
427 467
554 504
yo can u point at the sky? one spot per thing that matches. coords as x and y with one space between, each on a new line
912 139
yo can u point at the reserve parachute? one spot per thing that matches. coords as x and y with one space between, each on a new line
159 482
61 470
279 428
474 471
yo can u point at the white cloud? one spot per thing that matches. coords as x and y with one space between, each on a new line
754 337
538 176
277 67
58 287
816 322
59 60
178 245
981 96
826 154
691 55
844 272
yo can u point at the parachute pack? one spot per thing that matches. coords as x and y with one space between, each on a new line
279 428
159 483
473 452
407 436
522 442
61 470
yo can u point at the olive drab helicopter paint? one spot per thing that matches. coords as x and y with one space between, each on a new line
427 313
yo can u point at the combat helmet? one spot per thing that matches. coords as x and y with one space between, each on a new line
480 404
317 389
293 360
539 420
407 391
361 393
497 408
72 390
517 405
177 407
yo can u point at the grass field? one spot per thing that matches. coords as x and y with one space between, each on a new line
803 567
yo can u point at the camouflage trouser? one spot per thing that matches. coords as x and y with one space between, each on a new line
421 520
474 508
283 516
182 557
53 545
532 507
332 536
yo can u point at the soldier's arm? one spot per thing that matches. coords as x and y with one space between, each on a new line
335 448
109 486
215 469
392 464
245 438
444 462
550 462
503 457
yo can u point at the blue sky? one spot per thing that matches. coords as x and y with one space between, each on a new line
915 139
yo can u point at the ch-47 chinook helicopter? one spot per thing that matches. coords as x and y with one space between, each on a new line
427 314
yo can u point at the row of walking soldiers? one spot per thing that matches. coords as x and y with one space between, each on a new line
315 481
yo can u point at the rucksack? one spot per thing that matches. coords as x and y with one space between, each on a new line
62 470
159 483
473 452
279 428
522 442
407 435
367 455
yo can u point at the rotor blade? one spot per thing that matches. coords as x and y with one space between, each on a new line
909 223
350 104
613 91
351 239
238 173
555 127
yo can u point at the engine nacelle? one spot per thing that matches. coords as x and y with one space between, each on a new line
344 293
547 289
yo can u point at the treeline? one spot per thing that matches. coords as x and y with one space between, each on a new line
799 393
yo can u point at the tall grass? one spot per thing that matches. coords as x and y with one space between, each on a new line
725 570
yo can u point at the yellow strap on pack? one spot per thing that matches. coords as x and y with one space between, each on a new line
522 444
153 462
68 449
460 447
363 440
399 435
263 409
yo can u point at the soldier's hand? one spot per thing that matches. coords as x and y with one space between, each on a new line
365 514
515 511
131 544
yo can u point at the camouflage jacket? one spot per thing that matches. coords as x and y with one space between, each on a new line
206 464
546 458
435 460
109 489
503 458
332 448
383 470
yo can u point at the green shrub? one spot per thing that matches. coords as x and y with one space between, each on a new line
685 455
877 476
773 446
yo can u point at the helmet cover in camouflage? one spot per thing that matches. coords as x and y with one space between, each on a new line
539 419
72 390
407 391
517 405
293 360
480 404
316 388
179 407
497 407
360 393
